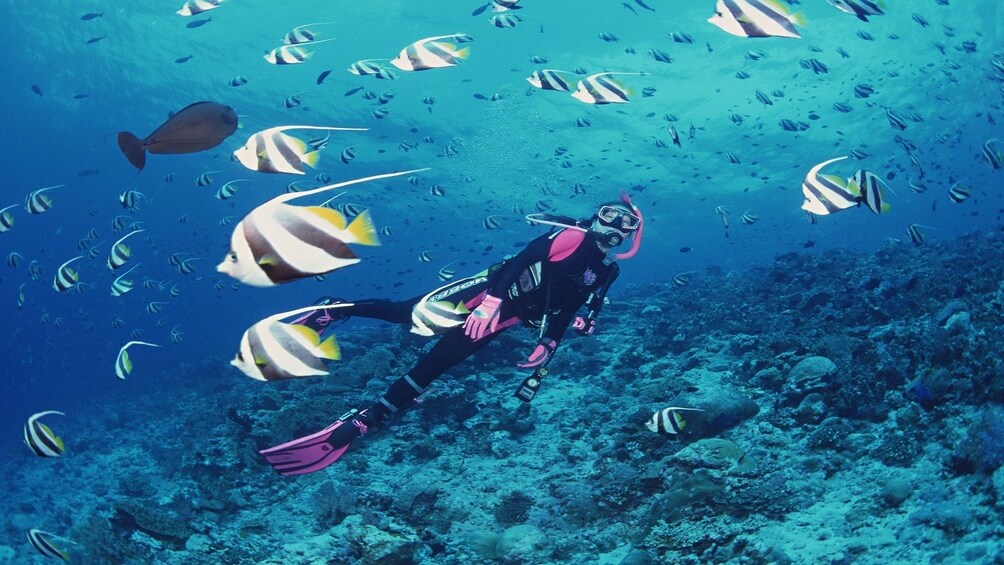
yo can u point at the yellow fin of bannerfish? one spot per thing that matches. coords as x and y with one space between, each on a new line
51 435
461 308
309 333
836 180
311 158
126 362
462 53
268 260
362 229
330 350
260 361
333 217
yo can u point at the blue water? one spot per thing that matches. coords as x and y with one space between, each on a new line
504 156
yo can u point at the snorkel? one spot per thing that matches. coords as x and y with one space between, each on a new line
636 241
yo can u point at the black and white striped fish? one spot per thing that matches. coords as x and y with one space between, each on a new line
756 18
271 151
993 155
370 67
916 234
228 190
446 273
123 363
601 89
825 194
669 421
682 279
957 193
895 120
301 34
432 53
6 218
278 242
37 202
120 252
66 278
872 190
749 218
491 222
549 79
130 199
434 313
291 54
40 439
272 350
860 9
193 7
122 285
42 544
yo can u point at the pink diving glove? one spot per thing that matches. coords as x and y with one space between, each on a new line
540 354
484 319
584 326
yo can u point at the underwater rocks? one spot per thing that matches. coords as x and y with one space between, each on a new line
812 374
159 523
723 407
524 543
715 453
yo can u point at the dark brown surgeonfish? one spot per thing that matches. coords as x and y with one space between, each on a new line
197 127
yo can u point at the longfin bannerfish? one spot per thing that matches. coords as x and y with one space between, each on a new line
123 363
120 252
825 194
279 242
492 222
749 218
121 285
37 202
40 439
271 151
431 53
916 234
756 18
274 350
43 544
682 279
872 190
503 21
66 278
669 421
369 67
550 79
993 155
860 9
185 267
957 193
6 218
14 259
601 89
445 273
292 54
193 7
300 34
228 190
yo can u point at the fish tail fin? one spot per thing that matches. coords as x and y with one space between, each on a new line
885 208
363 230
329 349
463 53
799 19
132 148
311 158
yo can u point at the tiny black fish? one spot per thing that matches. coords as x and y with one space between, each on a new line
91 16
686 249
184 59
96 39
198 23
322 76
36 89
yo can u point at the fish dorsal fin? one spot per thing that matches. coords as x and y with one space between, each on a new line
329 349
835 180
307 332
333 217
126 362
363 230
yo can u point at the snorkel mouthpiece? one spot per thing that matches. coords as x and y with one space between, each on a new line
636 242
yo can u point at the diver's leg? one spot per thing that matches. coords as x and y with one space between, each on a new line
379 309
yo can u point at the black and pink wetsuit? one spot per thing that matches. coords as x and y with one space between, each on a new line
556 274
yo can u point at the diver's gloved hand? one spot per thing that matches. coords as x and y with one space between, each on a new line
584 326
540 354
484 319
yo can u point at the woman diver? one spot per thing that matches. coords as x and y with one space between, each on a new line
543 286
